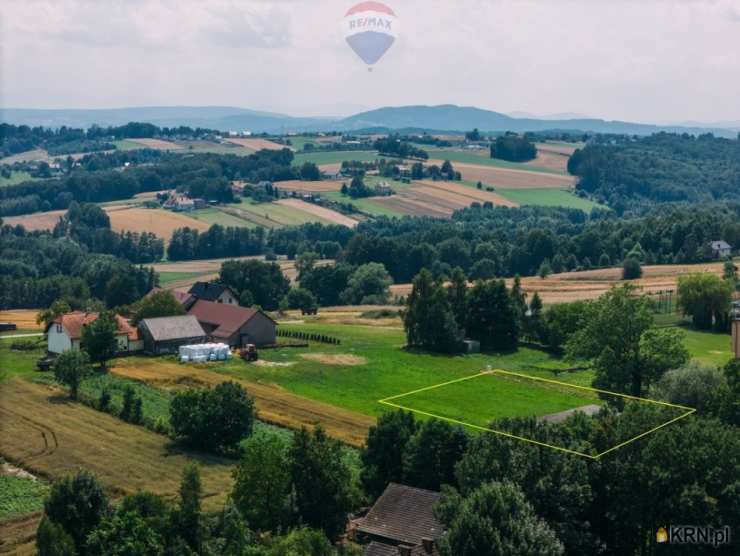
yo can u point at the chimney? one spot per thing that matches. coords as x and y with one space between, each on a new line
428 545
404 550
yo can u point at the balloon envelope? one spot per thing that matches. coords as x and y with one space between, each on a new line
370 29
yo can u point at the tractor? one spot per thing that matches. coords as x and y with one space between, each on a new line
249 353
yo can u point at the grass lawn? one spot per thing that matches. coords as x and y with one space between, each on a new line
15 177
20 363
386 369
334 157
708 348
483 160
20 495
548 197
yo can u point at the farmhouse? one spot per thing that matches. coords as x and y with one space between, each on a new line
218 293
234 325
166 334
720 249
401 522
65 332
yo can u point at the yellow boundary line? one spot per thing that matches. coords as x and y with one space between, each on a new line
388 402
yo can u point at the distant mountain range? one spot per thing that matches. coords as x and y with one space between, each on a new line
450 118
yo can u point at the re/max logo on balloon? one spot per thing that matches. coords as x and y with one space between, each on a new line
370 29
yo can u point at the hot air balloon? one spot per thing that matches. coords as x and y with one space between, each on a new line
370 29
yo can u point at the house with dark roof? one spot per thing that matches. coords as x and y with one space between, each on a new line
64 333
234 325
401 522
213 291
166 334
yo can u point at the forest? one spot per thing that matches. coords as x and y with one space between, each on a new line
631 172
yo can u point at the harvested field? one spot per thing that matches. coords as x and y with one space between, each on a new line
578 286
278 215
335 358
509 178
18 535
406 205
255 145
36 221
309 186
158 144
323 213
25 319
160 222
274 404
550 159
27 156
48 435
566 149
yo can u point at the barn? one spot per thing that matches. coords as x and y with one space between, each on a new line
166 334
233 325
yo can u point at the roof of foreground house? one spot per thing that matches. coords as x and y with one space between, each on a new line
403 514
74 322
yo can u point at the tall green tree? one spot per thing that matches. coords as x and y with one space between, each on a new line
70 368
494 520
368 284
705 298
429 321
57 309
77 504
431 454
53 540
189 519
265 281
617 335
457 291
322 481
158 304
493 316
382 456
99 338
124 534
262 484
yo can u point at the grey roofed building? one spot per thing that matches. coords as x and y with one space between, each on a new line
213 291
403 516
167 334
720 249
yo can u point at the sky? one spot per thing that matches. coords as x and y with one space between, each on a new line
635 60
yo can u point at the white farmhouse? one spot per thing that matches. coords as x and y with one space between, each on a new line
65 332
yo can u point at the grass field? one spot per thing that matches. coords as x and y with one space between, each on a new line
334 157
281 215
19 363
48 435
213 215
20 495
166 278
15 177
128 145
367 205
547 197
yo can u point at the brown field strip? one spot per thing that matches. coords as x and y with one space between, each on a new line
274 404
411 207
18 535
251 217
25 319
49 436
257 144
451 190
509 178
309 186
158 144
565 150
322 212
551 160
590 284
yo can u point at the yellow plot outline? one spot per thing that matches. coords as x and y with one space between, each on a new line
388 402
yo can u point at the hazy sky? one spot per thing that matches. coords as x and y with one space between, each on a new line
640 60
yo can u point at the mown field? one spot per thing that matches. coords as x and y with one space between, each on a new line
15 177
334 157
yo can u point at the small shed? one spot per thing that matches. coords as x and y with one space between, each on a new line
720 249
166 334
